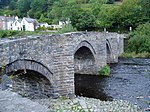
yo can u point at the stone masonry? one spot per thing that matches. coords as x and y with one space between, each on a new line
57 58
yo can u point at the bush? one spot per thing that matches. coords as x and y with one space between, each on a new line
105 70
3 33
140 39
67 28
7 33
41 29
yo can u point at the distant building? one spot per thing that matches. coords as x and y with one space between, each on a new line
64 22
1 22
29 24
43 25
15 23
6 22
9 21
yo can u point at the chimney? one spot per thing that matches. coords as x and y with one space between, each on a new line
16 17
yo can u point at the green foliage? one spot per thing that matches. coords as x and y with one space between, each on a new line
10 33
41 29
136 55
140 39
23 6
145 4
84 21
129 13
12 5
105 71
44 19
84 14
96 6
7 33
107 16
67 28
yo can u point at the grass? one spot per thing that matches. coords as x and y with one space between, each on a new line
136 55
10 33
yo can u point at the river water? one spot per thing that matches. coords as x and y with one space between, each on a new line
129 80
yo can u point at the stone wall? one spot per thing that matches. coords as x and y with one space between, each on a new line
54 56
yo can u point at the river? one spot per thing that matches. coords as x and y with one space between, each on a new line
129 80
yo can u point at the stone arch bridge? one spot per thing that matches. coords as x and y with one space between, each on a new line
44 66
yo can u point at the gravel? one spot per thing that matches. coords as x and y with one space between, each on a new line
83 104
12 102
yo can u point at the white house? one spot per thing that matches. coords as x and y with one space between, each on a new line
10 21
17 24
65 22
28 24
6 22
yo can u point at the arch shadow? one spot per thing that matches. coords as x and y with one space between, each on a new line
26 64
84 58
85 44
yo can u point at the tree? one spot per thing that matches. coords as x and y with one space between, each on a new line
130 14
13 5
24 6
37 5
145 4
56 11
84 21
140 39
96 6
107 16
71 10
44 19
4 3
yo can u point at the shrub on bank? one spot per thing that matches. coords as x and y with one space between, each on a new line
105 71
7 33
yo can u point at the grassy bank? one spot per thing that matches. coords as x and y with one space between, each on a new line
136 55
11 33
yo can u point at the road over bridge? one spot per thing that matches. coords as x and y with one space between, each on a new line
44 66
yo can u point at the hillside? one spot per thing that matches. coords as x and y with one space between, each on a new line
115 15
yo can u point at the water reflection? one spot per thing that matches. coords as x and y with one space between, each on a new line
91 86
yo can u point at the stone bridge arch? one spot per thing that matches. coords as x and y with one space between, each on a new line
84 58
31 78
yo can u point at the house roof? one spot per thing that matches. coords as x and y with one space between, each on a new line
10 19
19 20
30 20
7 18
2 18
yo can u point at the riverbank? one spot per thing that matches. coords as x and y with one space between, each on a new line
12 102
135 55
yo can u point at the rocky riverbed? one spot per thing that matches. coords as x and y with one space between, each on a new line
12 102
